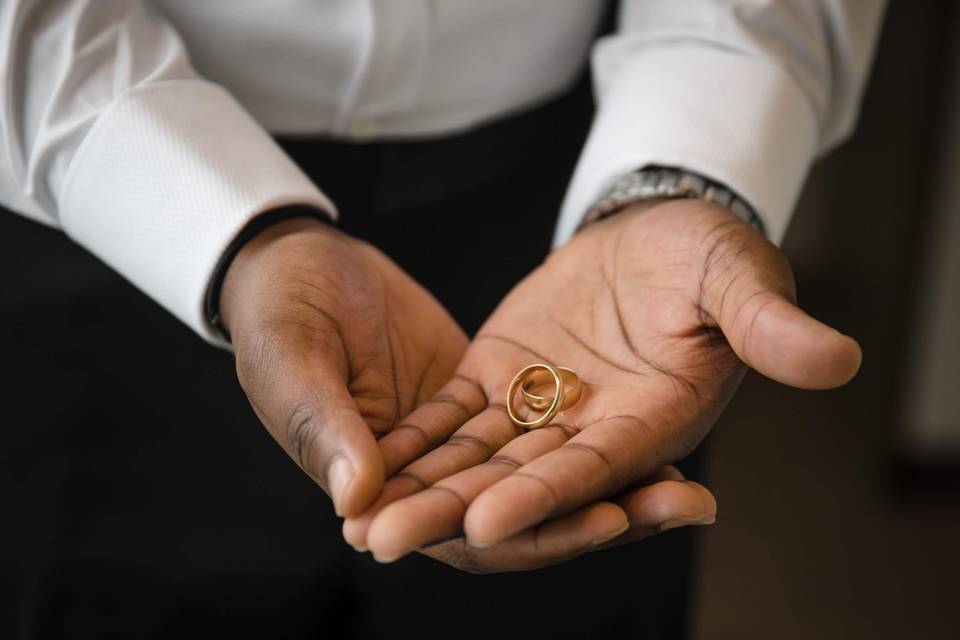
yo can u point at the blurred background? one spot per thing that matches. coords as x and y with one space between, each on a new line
840 511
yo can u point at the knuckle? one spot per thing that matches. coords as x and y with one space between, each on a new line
459 555
738 263
614 478
256 357
473 444
300 436
467 560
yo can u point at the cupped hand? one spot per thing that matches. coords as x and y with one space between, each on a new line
661 502
658 309
334 343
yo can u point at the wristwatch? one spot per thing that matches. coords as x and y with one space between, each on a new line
670 182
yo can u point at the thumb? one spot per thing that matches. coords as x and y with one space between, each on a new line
309 411
748 290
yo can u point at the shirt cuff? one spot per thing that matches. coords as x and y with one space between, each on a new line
737 119
165 179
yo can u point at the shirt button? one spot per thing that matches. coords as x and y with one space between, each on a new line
363 127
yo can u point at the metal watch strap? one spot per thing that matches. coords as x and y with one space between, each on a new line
670 182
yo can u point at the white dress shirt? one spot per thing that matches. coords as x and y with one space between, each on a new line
141 127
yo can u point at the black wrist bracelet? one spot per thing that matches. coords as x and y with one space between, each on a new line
247 233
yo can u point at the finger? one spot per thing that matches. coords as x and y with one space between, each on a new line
663 501
664 505
305 404
669 472
355 527
489 358
460 400
407 520
437 512
472 444
547 544
600 461
748 289
432 423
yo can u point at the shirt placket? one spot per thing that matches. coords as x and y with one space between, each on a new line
388 78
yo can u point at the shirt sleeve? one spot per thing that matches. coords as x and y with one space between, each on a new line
745 92
108 132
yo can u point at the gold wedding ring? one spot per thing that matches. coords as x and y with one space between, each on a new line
533 377
571 390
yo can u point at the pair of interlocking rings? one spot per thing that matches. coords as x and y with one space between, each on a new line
531 381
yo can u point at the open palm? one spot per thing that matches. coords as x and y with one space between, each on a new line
657 309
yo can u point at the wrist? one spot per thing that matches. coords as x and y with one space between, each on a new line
681 224
659 183
235 274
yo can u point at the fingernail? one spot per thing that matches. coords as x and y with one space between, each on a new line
339 476
385 560
607 537
359 548
479 545
681 522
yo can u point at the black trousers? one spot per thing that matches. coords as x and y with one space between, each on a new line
147 501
